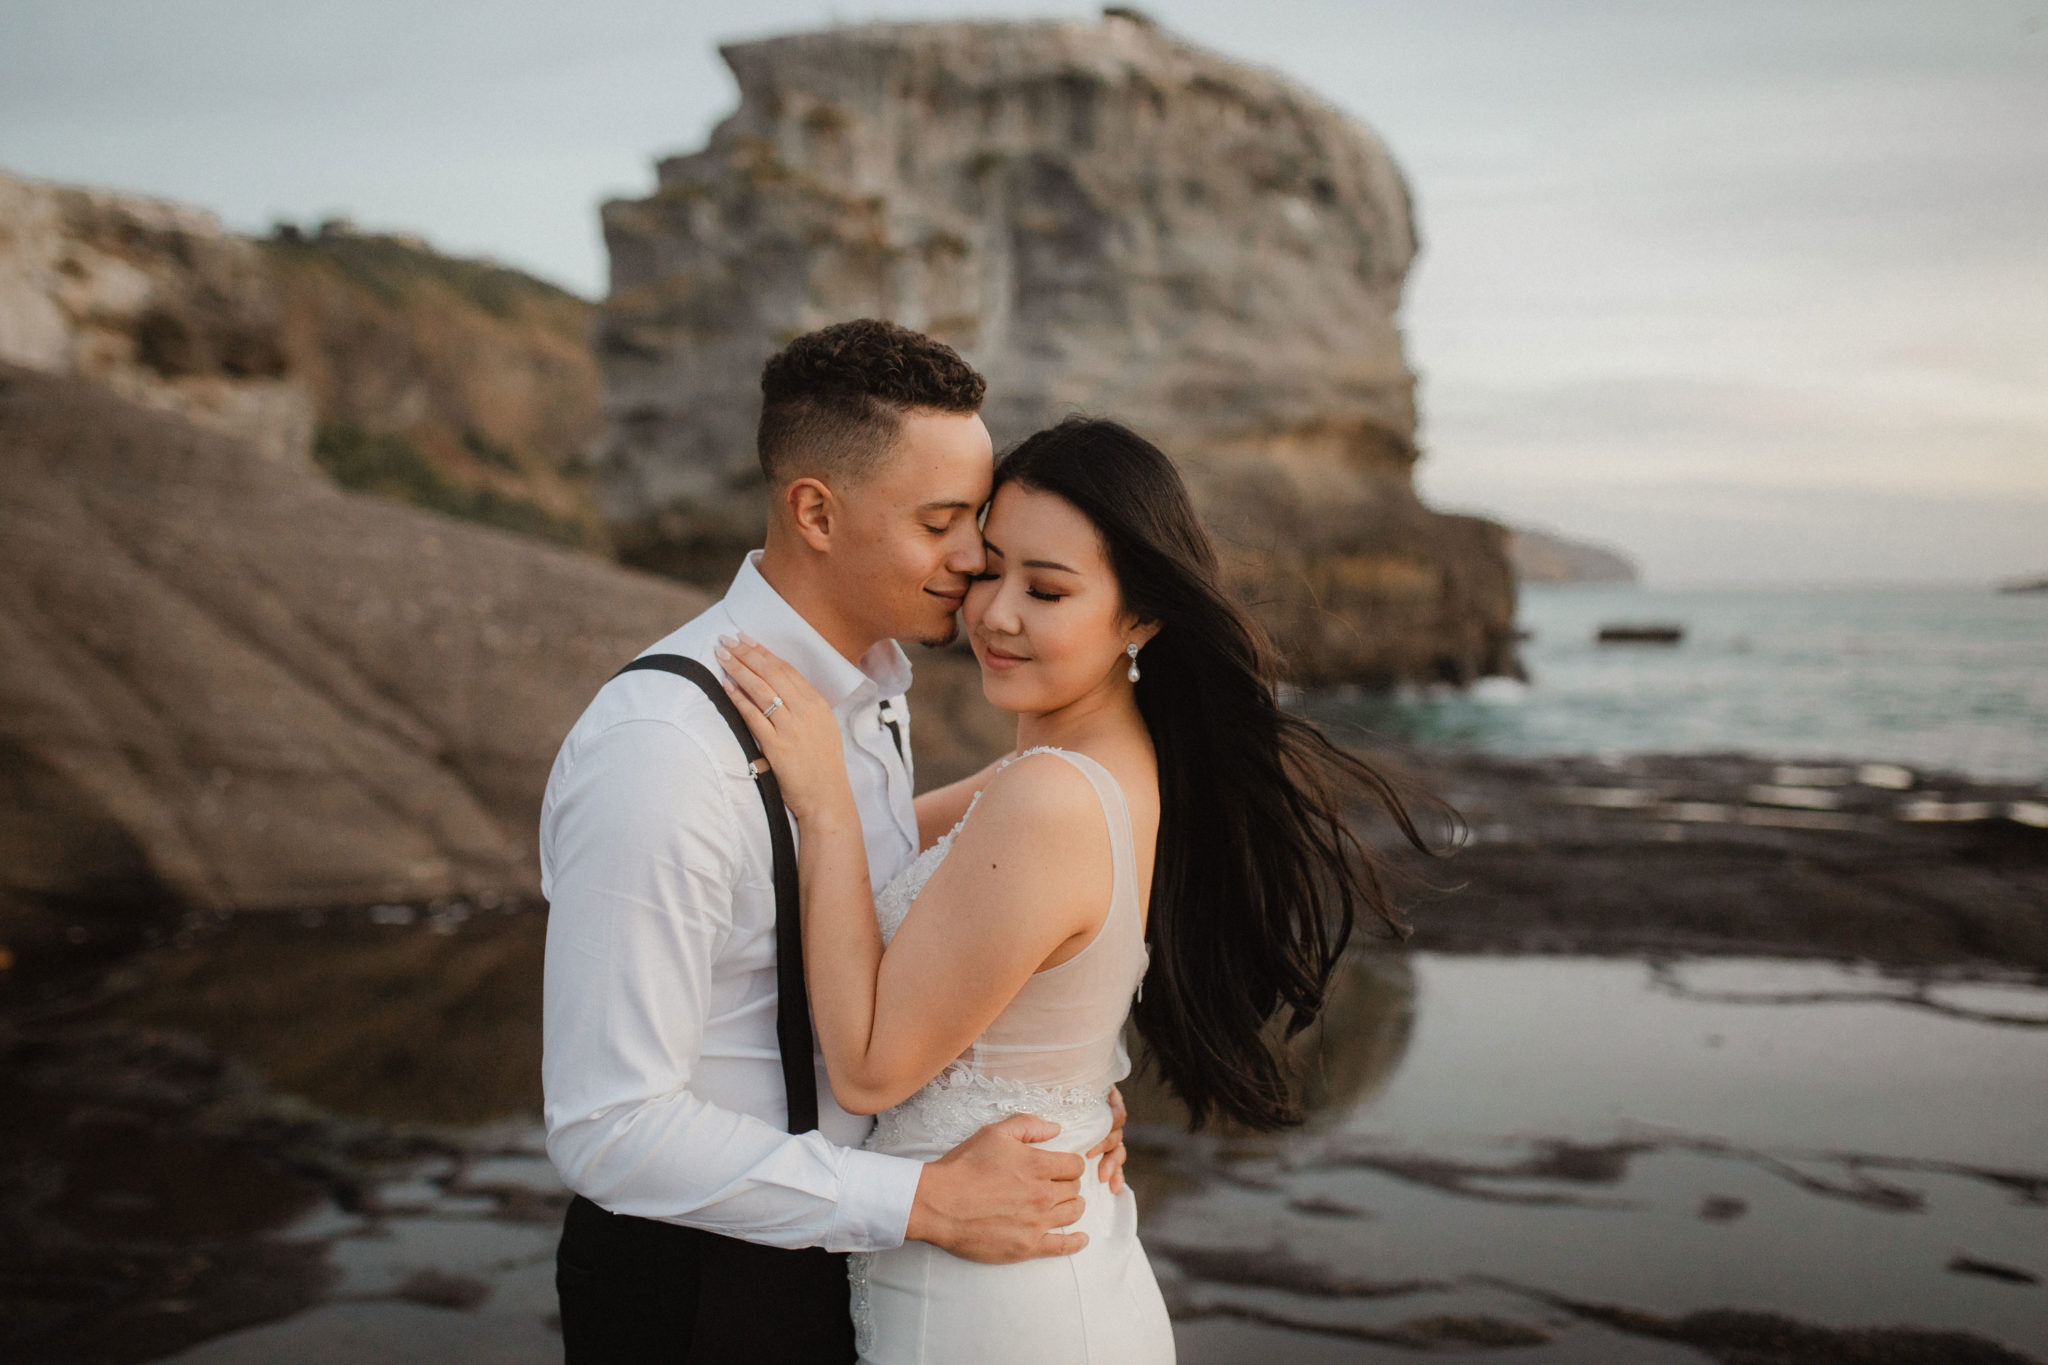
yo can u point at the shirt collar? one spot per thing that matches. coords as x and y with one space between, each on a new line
760 611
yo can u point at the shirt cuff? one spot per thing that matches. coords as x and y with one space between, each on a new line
875 1195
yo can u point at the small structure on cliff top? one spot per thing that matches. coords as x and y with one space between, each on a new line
1101 218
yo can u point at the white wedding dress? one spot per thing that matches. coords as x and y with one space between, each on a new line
1054 1051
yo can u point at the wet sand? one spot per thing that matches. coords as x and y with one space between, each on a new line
1674 1073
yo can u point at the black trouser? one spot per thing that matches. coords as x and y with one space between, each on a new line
637 1291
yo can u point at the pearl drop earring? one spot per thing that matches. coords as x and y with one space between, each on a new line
1132 650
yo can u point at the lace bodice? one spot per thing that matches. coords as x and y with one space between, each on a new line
893 901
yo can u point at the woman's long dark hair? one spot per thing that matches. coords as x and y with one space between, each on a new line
1259 878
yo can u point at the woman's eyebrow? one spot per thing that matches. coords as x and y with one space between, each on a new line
990 546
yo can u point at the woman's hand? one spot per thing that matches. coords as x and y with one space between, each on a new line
796 729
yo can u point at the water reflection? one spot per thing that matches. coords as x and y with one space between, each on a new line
361 1012
1689 1154
1344 1059
1571 1159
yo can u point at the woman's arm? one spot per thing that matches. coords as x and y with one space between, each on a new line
1030 871
942 808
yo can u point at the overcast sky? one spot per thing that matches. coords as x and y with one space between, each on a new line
1756 290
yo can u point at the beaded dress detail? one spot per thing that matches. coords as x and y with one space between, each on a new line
1056 1048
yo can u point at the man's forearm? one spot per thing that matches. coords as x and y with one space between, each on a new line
681 1160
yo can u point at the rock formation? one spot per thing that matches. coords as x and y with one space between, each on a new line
225 683
483 374
1101 217
1541 557
152 300
456 384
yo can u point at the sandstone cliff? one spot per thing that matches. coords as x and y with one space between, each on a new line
225 683
461 385
155 302
458 385
1102 218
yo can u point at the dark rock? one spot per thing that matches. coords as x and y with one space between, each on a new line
439 1289
1722 1208
1992 1270
227 684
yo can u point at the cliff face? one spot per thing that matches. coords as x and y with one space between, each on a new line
459 385
1540 557
153 301
1101 218
482 374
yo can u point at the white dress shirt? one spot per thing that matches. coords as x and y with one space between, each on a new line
663 1083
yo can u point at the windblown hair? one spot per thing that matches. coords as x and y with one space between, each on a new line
1259 877
833 400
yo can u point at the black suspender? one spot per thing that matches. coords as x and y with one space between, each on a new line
888 709
793 1003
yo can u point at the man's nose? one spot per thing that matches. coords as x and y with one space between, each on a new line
967 555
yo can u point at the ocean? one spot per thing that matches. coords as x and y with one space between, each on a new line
1944 679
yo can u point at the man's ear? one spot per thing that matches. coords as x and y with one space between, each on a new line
813 510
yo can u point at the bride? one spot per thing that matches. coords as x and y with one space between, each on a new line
1159 808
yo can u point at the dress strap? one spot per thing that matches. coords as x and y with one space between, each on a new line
1123 839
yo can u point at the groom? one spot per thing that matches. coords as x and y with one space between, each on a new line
702 1230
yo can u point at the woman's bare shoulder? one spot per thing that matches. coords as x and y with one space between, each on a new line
1043 798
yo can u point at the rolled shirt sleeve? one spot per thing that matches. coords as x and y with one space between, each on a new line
641 849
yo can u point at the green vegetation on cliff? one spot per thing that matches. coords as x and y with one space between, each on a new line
461 386
389 465
390 266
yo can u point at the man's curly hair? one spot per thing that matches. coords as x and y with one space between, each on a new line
833 400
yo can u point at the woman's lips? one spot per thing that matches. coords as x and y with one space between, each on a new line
1002 661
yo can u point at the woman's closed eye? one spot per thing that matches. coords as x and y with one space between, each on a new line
1038 593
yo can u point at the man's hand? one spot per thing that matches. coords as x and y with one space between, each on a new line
1111 1148
996 1199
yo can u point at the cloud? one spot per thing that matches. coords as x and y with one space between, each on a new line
1745 245
1661 429
1707 533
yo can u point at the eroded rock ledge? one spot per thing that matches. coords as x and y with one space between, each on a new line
225 683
